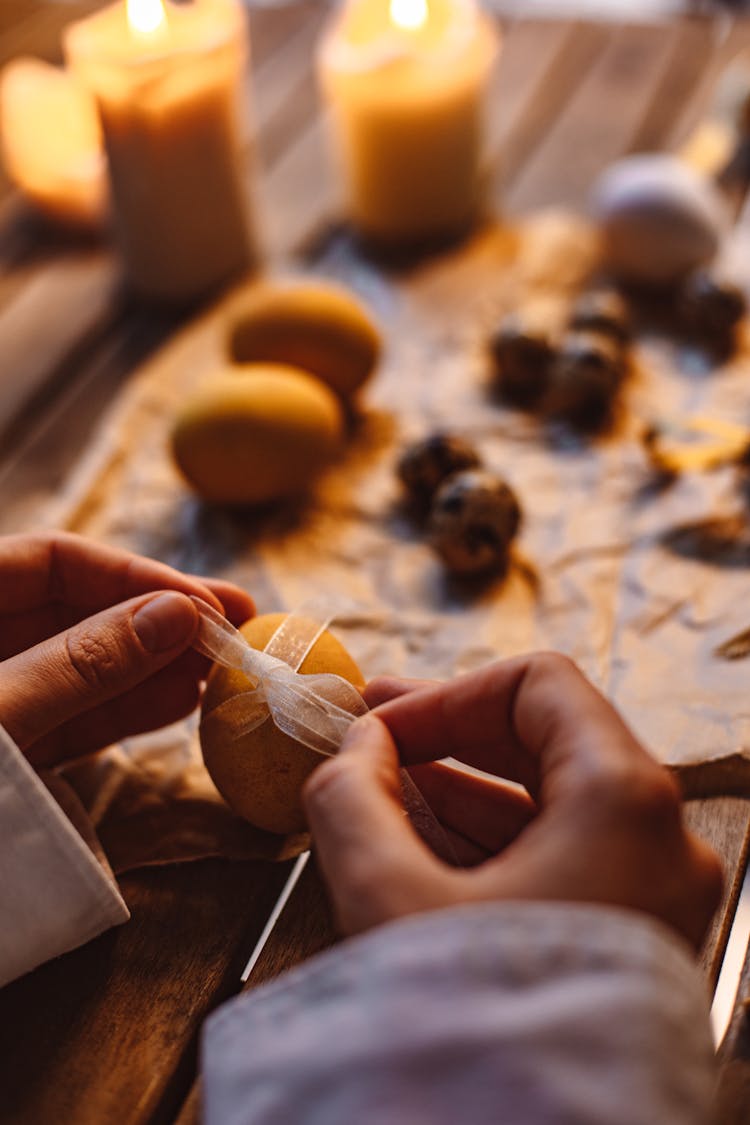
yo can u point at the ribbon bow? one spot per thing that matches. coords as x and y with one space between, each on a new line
316 710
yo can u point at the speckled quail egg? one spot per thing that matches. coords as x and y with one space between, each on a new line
474 518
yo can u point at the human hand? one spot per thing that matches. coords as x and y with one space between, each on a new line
598 820
95 643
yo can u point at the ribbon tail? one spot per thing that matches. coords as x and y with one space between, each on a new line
243 713
221 642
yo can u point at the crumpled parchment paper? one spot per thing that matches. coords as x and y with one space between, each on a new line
608 566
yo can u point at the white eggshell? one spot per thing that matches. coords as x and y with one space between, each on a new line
659 218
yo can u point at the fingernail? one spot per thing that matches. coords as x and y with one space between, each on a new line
165 622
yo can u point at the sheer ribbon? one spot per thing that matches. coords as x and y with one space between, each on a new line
315 709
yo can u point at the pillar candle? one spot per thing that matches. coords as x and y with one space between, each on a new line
405 82
167 80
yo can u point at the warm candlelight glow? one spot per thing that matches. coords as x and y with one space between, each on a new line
145 16
167 81
409 14
406 83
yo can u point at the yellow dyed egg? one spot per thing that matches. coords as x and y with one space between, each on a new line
257 434
261 774
319 327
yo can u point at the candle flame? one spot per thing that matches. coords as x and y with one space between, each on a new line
145 16
409 14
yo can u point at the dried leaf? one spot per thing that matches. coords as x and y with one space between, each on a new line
679 445
736 648
723 541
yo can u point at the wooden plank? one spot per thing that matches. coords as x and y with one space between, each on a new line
537 85
598 124
287 93
39 30
50 320
12 12
726 41
696 51
109 1032
45 443
300 195
271 26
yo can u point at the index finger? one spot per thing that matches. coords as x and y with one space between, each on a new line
518 719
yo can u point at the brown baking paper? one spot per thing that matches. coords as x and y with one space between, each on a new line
613 566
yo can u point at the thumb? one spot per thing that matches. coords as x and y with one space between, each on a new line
93 662
376 866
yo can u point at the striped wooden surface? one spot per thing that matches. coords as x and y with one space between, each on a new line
109 1032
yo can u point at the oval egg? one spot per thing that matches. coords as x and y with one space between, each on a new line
257 433
659 218
320 328
261 773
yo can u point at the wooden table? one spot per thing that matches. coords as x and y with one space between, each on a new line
109 1032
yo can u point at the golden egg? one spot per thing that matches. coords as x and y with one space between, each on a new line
255 434
319 327
261 774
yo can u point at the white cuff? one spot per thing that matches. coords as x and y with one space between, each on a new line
54 894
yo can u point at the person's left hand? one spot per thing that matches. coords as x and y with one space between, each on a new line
95 643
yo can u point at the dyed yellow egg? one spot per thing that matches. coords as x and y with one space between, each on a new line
261 774
256 434
319 327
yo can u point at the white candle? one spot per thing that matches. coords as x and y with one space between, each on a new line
405 81
167 80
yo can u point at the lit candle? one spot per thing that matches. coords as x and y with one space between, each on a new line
405 81
52 144
167 80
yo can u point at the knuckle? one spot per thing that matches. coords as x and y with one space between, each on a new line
639 792
95 661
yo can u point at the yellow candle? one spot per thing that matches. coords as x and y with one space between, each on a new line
405 82
52 144
167 80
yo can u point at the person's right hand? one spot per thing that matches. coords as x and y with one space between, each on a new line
599 823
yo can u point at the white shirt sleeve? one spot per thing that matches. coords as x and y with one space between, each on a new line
527 1013
54 894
